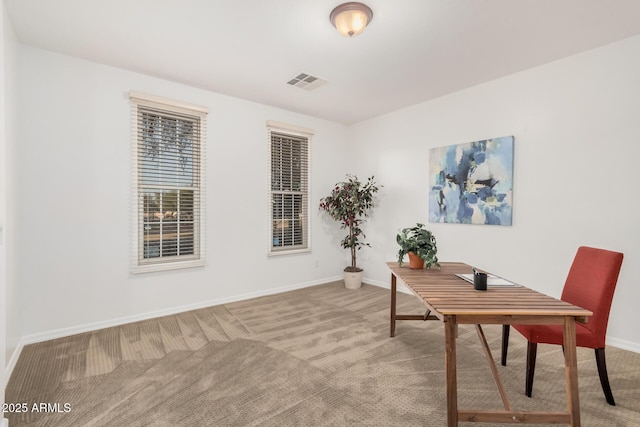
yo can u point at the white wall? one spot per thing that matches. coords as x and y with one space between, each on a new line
573 122
10 326
576 129
3 210
73 194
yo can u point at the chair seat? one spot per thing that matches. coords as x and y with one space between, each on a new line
552 334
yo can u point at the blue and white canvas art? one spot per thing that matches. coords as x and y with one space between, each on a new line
472 183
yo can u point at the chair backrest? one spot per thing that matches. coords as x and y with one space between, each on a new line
591 283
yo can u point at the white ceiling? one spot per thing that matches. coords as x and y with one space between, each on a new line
412 51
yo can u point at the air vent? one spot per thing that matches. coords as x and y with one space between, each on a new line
306 81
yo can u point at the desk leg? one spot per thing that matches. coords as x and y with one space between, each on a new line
450 329
571 370
392 332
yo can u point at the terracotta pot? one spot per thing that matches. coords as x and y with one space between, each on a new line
415 261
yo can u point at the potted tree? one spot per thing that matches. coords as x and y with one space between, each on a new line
349 204
420 244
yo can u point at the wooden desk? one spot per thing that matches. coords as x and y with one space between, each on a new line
454 301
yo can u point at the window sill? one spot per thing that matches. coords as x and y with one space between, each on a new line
289 252
150 268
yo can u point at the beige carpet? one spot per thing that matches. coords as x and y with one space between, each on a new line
319 356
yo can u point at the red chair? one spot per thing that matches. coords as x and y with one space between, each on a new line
590 284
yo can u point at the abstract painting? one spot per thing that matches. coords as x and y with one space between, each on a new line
472 183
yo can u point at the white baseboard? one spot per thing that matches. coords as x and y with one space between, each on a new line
399 285
11 364
89 327
623 344
59 333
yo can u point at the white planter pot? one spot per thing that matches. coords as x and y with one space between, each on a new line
353 280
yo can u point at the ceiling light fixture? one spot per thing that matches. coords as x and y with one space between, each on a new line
351 18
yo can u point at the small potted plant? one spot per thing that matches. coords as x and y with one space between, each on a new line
349 203
420 244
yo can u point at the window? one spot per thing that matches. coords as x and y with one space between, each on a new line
168 160
289 188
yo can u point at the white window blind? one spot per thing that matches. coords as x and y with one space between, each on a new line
169 157
289 188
